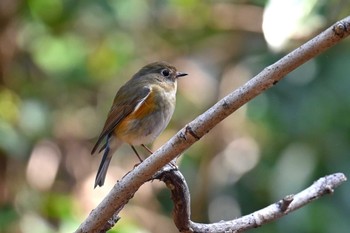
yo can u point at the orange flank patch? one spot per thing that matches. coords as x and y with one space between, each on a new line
144 109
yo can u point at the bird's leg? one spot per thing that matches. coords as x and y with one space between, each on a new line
137 154
151 152
148 149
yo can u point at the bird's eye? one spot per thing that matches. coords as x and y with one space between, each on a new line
165 73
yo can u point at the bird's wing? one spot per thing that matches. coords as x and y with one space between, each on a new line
121 108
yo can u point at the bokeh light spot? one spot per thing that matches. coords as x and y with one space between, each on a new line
43 165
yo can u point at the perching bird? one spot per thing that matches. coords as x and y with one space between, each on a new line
141 110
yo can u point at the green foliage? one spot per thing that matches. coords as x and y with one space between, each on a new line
8 217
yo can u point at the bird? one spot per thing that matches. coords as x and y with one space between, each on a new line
141 110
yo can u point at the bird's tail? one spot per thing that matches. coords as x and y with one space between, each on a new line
106 159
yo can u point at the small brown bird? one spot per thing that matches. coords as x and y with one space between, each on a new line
141 110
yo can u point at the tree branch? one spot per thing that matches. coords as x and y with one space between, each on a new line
180 195
321 187
181 213
129 184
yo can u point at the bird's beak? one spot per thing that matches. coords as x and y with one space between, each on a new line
180 74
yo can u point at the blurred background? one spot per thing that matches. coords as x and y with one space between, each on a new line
62 61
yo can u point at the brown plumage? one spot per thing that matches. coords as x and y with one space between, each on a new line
141 109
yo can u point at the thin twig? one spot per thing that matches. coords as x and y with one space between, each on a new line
321 187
